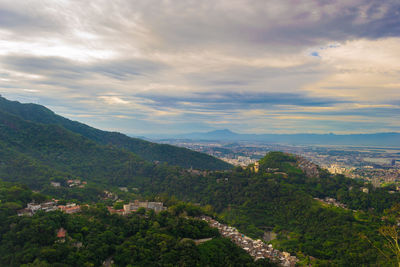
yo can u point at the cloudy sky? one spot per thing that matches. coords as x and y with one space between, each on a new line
175 66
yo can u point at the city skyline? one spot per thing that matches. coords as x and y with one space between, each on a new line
141 67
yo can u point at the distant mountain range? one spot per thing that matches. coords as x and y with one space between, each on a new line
376 139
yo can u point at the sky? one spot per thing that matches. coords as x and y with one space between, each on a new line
146 67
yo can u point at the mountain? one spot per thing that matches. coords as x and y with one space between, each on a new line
285 196
377 139
35 153
147 150
224 134
279 197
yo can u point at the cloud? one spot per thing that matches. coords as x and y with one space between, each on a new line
280 25
137 66
60 67
234 101
361 71
13 17
113 100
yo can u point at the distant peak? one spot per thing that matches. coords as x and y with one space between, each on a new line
225 131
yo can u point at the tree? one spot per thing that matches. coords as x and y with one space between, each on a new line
391 234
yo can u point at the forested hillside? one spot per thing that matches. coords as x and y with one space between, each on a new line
280 198
149 151
95 236
35 154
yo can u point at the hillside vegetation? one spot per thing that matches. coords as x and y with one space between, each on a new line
95 236
147 150
282 200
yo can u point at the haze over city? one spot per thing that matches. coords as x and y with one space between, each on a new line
143 67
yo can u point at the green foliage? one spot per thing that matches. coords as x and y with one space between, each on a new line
149 151
118 205
213 253
279 197
276 159
267 201
95 236
35 154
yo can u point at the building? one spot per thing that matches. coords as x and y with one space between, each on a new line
156 206
55 184
24 212
33 207
70 208
48 206
142 204
128 208
61 233
114 211
256 167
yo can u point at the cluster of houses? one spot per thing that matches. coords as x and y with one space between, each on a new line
256 248
70 183
76 183
32 208
331 201
70 208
